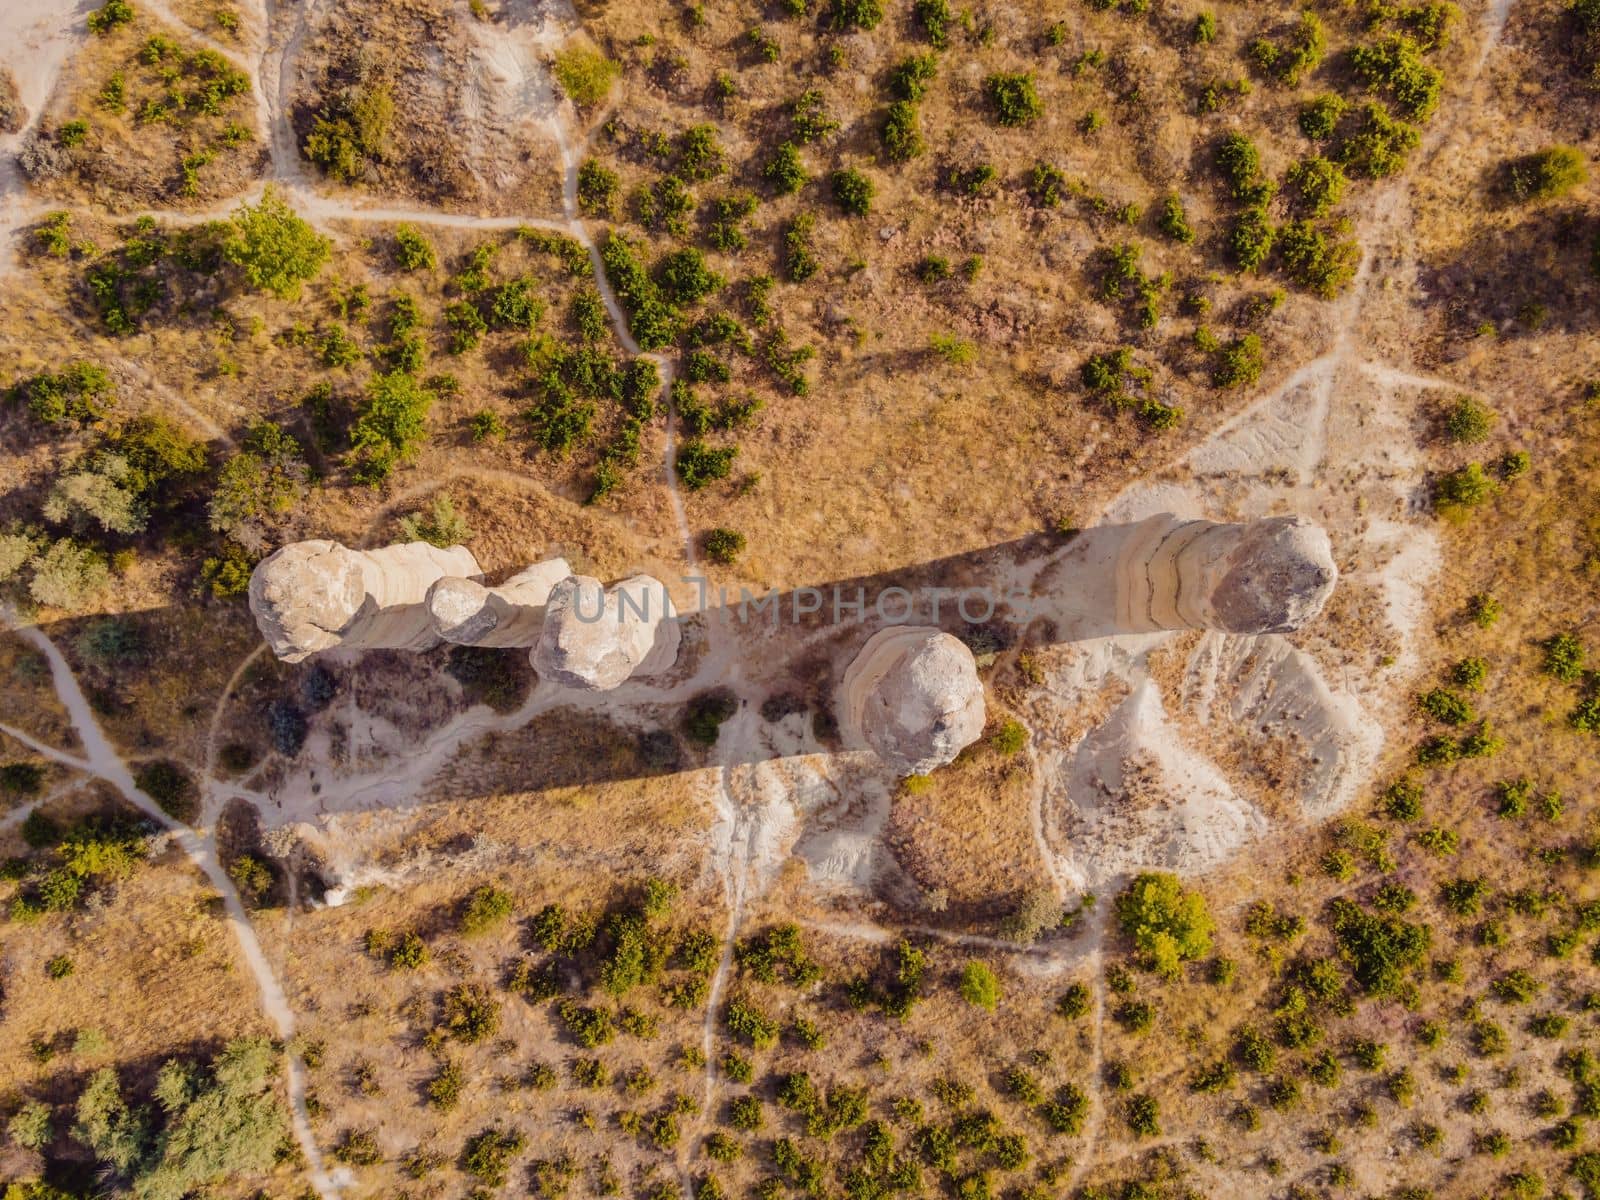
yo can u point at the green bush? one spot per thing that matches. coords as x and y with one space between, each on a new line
1240 164
1547 175
979 986
1299 54
1173 221
934 18
902 132
1250 238
390 426
412 250
1319 117
170 786
699 465
485 909
1013 98
854 14
110 16
1168 925
786 170
1564 657
809 117
1378 144
852 191
81 393
1394 63
585 75
684 278
598 188
487 1156
276 250
909 79
1458 492
1318 185
1469 421
724 546
471 1013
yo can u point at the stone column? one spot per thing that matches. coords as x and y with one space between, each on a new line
318 595
595 637
1267 576
510 614
913 697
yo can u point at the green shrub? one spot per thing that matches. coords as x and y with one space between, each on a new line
1250 238
1143 1115
170 786
724 546
786 170
1173 221
854 14
471 1013
412 250
852 191
1318 185
110 16
598 188
1204 30
585 75
1469 420
1167 924
1320 116
809 117
485 909
1564 657
1378 144
934 18
979 986
276 250
1299 54
699 465
1013 98
1458 492
487 1156
1548 175
909 78
1394 63
902 132
1240 163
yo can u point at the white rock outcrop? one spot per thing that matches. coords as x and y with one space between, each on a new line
318 595
1267 576
467 613
594 637
913 697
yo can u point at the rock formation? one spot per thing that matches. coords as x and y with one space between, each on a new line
912 696
319 595
510 614
594 637
1266 576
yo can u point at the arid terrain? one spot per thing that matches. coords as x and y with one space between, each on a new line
795 298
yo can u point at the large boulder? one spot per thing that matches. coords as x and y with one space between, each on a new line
467 613
912 696
595 637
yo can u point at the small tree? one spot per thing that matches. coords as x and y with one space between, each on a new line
391 425
276 250
1167 924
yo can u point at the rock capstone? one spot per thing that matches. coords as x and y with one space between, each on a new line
467 613
595 637
912 696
